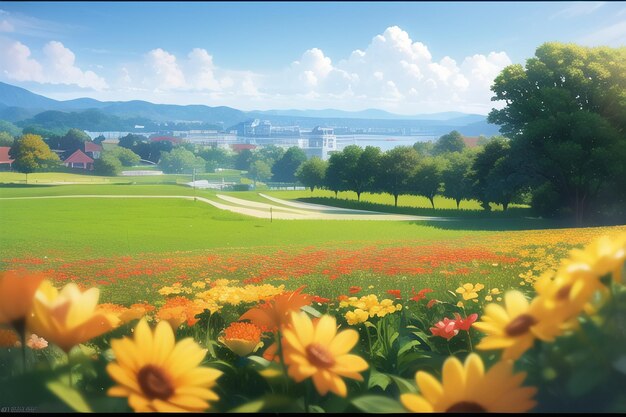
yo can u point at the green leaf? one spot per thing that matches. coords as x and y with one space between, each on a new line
408 346
377 404
260 361
404 385
69 396
311 311
249 407
378 379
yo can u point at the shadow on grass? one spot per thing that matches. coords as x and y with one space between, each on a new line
501 224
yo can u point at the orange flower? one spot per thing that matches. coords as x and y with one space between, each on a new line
342 297
321 300
395 293
17 292
432 303
242 338
274 313
354 289
420 295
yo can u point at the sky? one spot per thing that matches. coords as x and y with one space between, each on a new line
403 57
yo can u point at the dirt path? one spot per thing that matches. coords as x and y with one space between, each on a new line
261 210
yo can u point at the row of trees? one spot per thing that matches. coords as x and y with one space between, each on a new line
446 168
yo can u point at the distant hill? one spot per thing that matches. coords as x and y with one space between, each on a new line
24 108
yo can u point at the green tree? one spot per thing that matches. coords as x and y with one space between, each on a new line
126 157
179 161
99 140
428 178
9 127
506 180
284 170
31 154
129 141
270 154
424 148
333 180
484 163
567 109
452 142
360 167
312 173
397 166
6 139
73 140
107 165
260 171
456 176
243 159
217 158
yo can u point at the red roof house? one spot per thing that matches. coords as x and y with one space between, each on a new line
470 142
79 160
4 156
93 149
172 139
238 147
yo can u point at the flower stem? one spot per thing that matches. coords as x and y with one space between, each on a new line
369 340
469 341
279 351
20 326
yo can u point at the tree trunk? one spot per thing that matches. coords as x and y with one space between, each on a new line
505 205
458 201
395 197
358 196
336 192
432 201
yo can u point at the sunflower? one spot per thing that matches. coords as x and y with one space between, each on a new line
469 389
158 374
242 338
603 256
318 351
515 327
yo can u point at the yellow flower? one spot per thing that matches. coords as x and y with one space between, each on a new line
469 291
17 291
318 351
242 338
515 328
199 284
158 374
356 317
469 389
603 256
68 317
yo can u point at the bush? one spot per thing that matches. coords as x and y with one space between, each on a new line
107 165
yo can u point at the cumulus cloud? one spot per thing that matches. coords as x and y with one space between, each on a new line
393 72
6 26
17 64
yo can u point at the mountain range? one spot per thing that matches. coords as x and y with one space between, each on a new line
25 108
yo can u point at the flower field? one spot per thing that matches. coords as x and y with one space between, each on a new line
503 321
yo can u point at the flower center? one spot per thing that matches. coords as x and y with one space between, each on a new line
520 325
155 383
466 407
319 356
563 293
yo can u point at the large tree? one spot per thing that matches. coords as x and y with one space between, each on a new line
484 163
6 139
397 166
428 178
333 180
180 160
312 173
284 170
452 142
126 157
360 167
457 183
260 171
566 109
32 154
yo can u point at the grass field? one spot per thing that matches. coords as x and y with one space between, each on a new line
131 248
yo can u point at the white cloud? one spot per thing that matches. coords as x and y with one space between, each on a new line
167 75
56 67
614 35
577 9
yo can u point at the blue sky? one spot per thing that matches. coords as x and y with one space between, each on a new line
405 57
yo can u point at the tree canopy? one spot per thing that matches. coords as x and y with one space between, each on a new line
312 173
452 142
284 170
31 154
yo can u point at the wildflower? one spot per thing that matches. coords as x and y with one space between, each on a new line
320 300
68 317
199 284
432 303
465 323
420 295
356 317
242 338
467 388
445 328
317 351
603 256
354 289
395 293
469 291
17 292
36 343
274 313
158 374
515 327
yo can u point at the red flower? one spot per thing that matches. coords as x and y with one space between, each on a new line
465 323
432 302
318 299
354 289
445 328
342 297
420 295
395 293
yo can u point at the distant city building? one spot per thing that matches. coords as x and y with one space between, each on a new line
321 142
